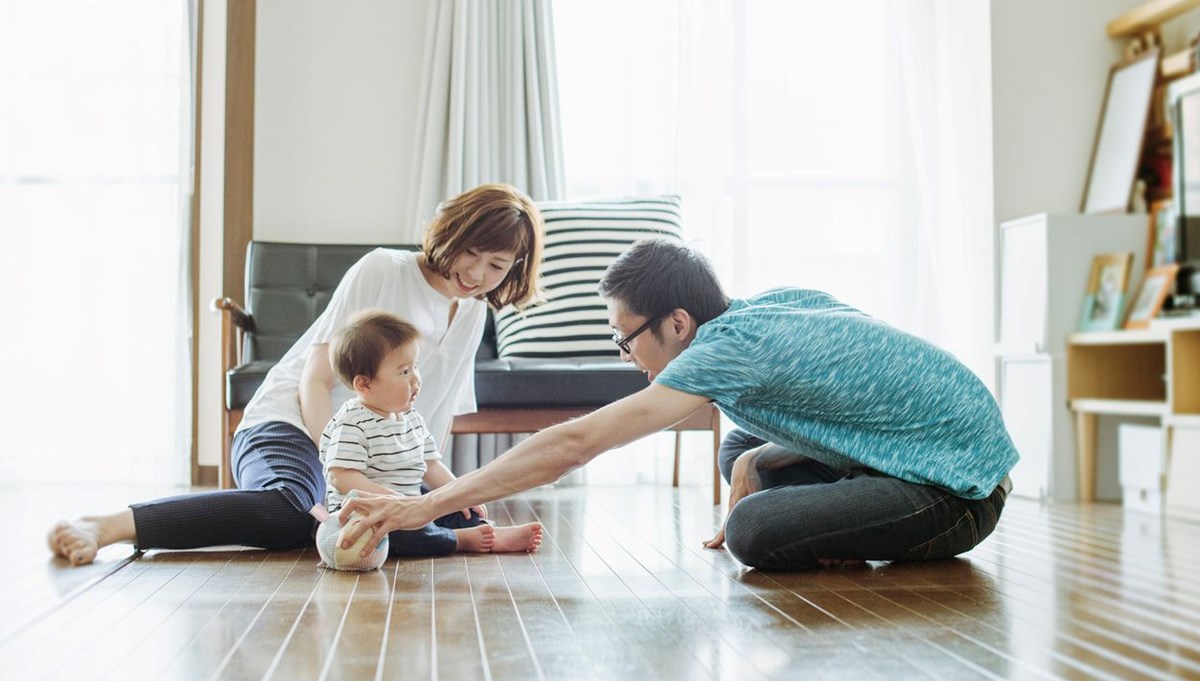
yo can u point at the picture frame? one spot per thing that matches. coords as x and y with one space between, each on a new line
1104 300
1157 283
1162 245
1117 149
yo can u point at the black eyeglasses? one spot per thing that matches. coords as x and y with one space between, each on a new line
623 343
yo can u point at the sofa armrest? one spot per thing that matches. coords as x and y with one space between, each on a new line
235 322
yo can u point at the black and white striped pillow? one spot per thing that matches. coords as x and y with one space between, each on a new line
582 239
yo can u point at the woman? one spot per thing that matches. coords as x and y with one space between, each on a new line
483 248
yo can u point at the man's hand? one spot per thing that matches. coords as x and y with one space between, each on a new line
744 481
381 514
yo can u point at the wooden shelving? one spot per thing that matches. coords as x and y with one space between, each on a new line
1137 337
1149 373
1122 407
1176 64
1148 17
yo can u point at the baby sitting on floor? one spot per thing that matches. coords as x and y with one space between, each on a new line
378 443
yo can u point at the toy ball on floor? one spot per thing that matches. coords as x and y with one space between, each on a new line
329 546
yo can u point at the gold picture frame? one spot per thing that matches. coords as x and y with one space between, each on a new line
1104 299
1157 283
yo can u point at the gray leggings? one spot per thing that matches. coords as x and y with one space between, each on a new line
810 510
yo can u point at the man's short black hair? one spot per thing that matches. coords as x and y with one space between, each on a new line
657 276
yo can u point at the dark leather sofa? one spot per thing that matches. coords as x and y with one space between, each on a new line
289 285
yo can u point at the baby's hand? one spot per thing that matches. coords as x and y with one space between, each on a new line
480 510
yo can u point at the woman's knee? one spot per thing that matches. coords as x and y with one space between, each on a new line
278 523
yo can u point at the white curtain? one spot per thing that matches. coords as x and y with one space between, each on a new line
95 161
490 99
838 146
490 104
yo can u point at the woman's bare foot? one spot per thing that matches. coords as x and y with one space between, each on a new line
478 539
518 538
79 541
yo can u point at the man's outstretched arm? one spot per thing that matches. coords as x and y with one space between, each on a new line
543 458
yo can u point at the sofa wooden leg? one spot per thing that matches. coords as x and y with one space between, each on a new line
675 476
716 433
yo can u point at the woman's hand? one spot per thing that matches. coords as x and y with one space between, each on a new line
382 513
479 510
744 480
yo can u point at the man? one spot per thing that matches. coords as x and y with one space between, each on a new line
857 441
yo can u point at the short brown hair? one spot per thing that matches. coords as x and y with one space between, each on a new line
360 347
490 217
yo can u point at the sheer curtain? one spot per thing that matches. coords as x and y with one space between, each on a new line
838 146
95 154
489 114
489 104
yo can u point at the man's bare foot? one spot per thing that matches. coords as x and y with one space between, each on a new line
478 539
77 541
518 538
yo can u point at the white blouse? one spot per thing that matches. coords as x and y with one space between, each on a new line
389 280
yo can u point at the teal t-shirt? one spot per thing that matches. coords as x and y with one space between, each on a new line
802 370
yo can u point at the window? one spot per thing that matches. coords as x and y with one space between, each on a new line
837 146
94 146
774 130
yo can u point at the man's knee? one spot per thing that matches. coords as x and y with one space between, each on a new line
747 534
754 538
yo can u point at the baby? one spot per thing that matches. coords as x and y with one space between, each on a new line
377 443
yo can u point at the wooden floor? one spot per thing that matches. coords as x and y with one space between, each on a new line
621 589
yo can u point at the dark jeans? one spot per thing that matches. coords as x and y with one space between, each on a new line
435 539
810 510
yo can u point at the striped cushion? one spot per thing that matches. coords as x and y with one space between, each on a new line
582 239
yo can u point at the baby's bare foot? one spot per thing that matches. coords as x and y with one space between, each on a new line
478 539
519 538
77 541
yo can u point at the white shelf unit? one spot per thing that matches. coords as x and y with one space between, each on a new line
1045 261
1154 373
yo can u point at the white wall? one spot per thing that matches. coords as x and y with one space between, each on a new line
336 94
1050 65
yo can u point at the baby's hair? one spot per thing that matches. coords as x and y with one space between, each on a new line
360 348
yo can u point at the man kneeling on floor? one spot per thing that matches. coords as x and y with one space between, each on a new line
856 441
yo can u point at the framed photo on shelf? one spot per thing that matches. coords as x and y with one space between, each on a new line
1162 245
1119 135
1104 302
1150 297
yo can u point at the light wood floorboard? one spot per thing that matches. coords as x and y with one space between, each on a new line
621 589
